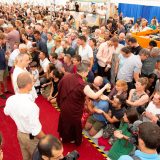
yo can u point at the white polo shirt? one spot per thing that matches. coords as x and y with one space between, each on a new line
24 112
16 72
44 64
86 53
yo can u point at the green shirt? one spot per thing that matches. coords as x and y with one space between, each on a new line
121 146
153 27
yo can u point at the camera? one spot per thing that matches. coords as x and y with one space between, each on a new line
134 131
74 155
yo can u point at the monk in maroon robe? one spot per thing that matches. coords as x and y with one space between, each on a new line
71 100
72 90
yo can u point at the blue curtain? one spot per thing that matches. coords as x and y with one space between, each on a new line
137 11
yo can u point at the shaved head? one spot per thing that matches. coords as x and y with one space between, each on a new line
23 80
98 81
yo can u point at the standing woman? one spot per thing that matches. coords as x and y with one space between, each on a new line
72 91
26 41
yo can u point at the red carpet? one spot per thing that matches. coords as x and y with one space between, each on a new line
49 119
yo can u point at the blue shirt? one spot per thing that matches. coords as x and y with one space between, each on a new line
103 105
42 46
2 59
122 42
142 156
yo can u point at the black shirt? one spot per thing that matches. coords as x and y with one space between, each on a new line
2 59
118 114
136 50
55 88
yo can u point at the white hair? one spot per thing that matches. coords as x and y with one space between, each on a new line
20 57
22 46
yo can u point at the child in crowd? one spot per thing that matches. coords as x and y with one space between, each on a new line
34 71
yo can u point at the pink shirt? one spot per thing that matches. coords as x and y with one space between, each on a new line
104 54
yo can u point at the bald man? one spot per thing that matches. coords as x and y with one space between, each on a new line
98 81
121 38
25 115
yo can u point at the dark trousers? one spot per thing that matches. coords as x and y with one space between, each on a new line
130 86
102 73
38 89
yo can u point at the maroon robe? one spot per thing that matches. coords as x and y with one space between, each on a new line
71 100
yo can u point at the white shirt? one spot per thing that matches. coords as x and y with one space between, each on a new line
24 112
12 57
86 53
16 72
102 13
29 44
44 64
153 109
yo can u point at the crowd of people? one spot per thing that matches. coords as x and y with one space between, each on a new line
100 78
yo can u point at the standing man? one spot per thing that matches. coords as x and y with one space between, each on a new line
40 42
25 115
130 70
72 91
85 51
12 37
104 57
22 62
2 65
135 46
